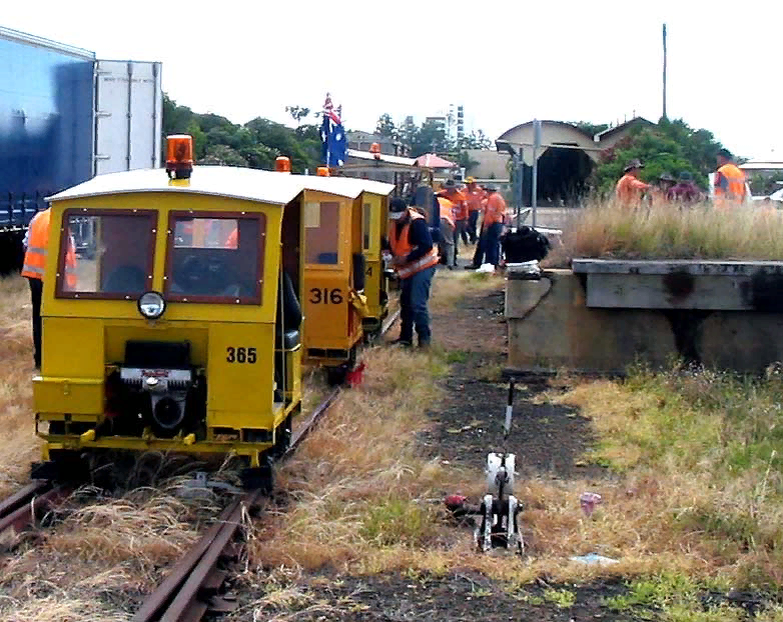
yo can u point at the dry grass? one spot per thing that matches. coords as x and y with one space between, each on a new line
607 230
18 444
359 483
700 456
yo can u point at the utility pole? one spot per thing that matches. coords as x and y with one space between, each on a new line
664 71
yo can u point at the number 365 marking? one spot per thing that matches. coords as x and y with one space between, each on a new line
241 355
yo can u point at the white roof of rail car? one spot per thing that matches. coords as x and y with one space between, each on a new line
223 181
350 187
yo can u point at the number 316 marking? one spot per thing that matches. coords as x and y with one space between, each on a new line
241 355
325 296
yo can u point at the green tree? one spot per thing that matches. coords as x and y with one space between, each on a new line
298 113
671 147
385 126
199 139
590 128
476 140
224 155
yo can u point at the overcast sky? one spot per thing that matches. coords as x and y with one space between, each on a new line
506 61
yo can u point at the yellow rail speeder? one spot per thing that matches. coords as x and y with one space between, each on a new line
345 287
183 330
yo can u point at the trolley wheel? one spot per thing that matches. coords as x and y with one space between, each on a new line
261 477
282 438
335 376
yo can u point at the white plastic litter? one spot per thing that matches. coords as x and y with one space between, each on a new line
526 267
592 559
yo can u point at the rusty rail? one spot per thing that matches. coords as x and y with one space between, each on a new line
24 506
191 588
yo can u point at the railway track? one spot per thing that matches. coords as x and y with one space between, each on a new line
193 586
28 504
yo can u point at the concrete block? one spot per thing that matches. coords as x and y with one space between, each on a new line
747 342
561 331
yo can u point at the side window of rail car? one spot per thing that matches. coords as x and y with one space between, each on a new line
215 259
106 253
366 225
322 232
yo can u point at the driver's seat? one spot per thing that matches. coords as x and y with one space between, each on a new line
288 308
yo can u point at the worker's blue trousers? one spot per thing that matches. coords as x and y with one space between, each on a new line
414 299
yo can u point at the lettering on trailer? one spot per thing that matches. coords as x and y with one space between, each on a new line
241 355
326 296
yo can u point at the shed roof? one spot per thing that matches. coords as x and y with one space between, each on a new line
432 160
390 159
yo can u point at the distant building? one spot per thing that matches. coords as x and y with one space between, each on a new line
361 141
566 157
487 164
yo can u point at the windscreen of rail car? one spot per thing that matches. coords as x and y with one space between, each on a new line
107 253
219 257
322 232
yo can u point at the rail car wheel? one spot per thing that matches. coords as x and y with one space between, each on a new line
282 438
67 466
336 375
261 477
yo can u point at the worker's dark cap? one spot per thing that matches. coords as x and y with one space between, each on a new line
450 183
632 165
490 188
397 204
686 176
666 177
725 153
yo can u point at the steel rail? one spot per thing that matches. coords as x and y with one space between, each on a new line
179 598
24 506
183 594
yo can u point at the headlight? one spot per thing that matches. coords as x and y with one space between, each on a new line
151 305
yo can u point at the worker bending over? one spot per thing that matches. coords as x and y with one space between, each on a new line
447 237
414 260
460 209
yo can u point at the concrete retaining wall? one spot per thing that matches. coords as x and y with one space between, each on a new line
551 326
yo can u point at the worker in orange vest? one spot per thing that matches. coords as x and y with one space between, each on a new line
453 194
630 188
36 243
474 195
414 260
729 182
491 229
447 228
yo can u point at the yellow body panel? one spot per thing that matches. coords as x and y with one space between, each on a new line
332 325
375 216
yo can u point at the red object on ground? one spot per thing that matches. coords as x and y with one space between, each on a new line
455 501
355 376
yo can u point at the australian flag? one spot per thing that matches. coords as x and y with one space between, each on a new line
332 136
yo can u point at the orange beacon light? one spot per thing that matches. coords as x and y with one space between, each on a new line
179 156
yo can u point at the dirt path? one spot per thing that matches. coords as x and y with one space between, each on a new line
468 324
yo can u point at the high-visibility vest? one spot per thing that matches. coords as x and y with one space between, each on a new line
474 198
233 239
494 210
37 248
736 187
401 247
446 210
